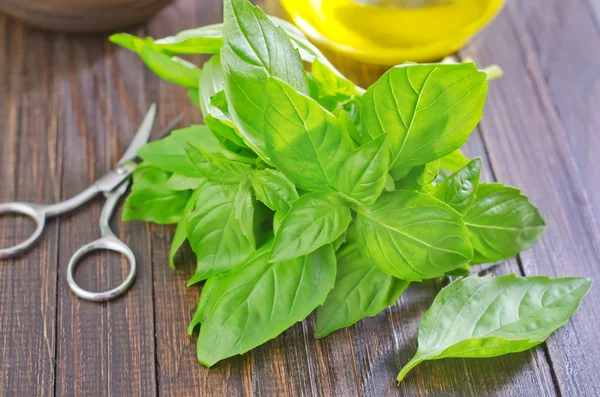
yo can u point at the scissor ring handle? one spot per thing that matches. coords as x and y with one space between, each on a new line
35 212
109 243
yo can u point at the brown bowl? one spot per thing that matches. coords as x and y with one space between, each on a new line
82 15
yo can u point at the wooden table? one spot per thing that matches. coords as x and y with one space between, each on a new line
68 108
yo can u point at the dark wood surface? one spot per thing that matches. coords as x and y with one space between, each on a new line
68 108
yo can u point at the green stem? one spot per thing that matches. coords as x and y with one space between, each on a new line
410 365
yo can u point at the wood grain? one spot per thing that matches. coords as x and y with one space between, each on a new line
69 107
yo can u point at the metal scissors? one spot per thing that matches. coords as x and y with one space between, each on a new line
113 185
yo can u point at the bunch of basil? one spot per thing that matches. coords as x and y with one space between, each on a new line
305 192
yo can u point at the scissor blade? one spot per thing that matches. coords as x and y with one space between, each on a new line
141 136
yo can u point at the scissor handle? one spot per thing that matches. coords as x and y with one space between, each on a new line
36 212
109 243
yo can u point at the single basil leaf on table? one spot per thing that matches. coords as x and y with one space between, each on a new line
151 201
181 231
173 71
459 189
488 317
214 232
502 222
204 40
314 220
182 182
428 111
454 161
217 168
258 301
254 49
244 210
273 189
361 290
304 141
362 174
412 236
169 153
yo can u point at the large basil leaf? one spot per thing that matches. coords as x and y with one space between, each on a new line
151 201
502 222
169 153
254 49
256 302
487 317
244 210
216 167
412 236
181 231
362 174
460 188
314 220
360 290
171 70
304 140
273 189
215 233
204 40
428 111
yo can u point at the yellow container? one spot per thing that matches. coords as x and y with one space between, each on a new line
389 32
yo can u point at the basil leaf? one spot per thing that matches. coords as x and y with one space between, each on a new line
412 236
428 111
488 317
459 189
204 40
328 88
214 232
348 125
182 182
258 301
169 153
360 290
181 230
217 168
151 201
454 161
304 140
254 49
171 70
418 177
244 210
362 174
314 220
502 222
194 95
273 189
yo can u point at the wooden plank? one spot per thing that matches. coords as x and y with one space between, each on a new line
103 348
563 37
30 170
529 148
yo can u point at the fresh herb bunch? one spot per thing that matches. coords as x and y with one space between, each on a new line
304 191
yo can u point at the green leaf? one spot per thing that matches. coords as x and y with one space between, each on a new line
181 230
454 161
254 49
214 232
273 189
460 188
151 201
171 70
182 182
360 290
428 111
244 210
488 317
418 177
258 301
314 220
217 168
362 175
204 40
329 89
194 95
502 223
304 140
412 236
169 153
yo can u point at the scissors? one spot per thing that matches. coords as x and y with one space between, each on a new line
113 185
